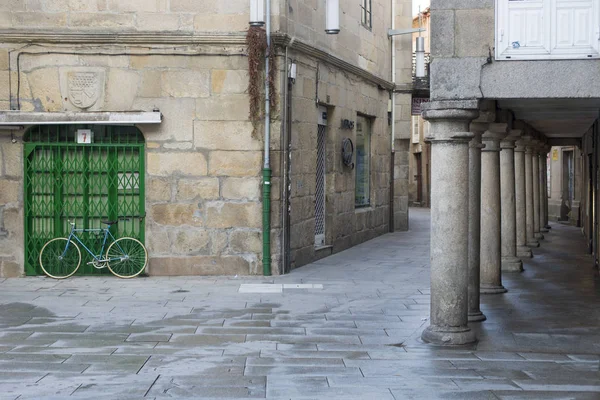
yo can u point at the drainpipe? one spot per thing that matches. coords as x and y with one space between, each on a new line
393 151
285 134
267 164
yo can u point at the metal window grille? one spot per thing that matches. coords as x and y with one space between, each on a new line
366 15
82 183
362 196
320 189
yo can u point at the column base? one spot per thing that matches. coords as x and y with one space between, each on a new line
512 264
538 235
533 243
448 335
492 289
524 252
477 317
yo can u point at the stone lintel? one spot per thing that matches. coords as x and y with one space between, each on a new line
461 4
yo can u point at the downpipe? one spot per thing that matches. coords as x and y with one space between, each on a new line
267 165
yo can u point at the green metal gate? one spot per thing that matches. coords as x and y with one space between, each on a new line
85 183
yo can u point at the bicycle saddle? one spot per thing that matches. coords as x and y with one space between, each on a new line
110 222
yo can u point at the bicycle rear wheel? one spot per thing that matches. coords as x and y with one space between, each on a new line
60 258
127 257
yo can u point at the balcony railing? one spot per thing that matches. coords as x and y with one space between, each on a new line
420 83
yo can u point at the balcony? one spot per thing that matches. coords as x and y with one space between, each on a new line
420 85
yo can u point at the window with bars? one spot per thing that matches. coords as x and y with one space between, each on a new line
362 195
366 16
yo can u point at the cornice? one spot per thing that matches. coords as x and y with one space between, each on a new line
191 38
303 47
123 37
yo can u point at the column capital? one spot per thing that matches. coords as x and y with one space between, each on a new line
530 143
509 141
450 119
478 127
520 145
492 137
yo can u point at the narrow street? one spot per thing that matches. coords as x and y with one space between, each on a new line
346 327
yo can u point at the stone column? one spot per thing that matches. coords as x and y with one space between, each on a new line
543 189
531 241
510 262
535 165
546 224
449 136
520 210
475 146
491 275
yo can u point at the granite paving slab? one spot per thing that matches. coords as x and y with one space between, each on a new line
345 327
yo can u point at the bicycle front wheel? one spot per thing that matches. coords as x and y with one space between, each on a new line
60 258
127 257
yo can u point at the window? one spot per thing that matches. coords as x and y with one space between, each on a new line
547 29
366 18
362 194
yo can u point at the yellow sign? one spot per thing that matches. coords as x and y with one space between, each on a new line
554 154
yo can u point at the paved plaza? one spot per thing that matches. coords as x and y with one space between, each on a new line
346 327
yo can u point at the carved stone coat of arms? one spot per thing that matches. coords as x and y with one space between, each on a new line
84 87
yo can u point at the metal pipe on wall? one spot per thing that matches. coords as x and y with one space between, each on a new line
393 117
267 164
285 134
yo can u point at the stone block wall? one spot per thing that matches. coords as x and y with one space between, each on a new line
367 48
346 97
203 164
11 207
129 15
462 39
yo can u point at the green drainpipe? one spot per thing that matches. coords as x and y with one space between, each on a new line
266 221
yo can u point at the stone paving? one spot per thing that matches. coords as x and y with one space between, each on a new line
346 327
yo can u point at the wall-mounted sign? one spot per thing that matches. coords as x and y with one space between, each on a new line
417 104
347 124
347 152
554 154
85 136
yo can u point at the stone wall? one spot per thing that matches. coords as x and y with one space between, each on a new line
128 15
366 48
464 65
346 97
557 203
203 165
11 207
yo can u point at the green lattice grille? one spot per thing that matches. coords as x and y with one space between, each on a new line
84 183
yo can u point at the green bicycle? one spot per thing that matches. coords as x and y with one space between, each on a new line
125 257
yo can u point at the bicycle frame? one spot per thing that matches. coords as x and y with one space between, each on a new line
98 257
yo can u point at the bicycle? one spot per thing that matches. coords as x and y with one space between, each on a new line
126 257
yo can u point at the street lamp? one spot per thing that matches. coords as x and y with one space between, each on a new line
257 12
332 17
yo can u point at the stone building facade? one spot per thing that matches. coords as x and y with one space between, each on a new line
419 183
190 182
509 81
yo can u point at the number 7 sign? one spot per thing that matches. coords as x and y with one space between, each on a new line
84 136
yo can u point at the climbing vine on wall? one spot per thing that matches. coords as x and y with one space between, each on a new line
256 40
